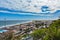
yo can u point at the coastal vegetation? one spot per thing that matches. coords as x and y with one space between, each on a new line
50 33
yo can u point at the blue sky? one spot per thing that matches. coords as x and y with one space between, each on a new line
29 9
10 16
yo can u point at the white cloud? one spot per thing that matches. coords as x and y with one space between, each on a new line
30 5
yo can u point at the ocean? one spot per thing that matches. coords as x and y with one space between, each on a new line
11 22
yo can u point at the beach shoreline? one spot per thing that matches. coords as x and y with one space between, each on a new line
14 24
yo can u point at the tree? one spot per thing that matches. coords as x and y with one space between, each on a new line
53 32
50 33
37 34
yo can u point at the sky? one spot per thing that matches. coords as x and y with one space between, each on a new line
29 9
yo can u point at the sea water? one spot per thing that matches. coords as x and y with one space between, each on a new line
1 31
11 22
